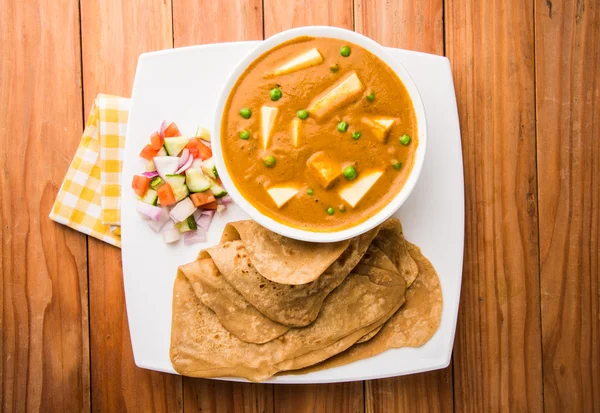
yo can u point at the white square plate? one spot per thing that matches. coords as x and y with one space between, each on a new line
182 85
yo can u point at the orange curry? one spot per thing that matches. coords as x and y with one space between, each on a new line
319 134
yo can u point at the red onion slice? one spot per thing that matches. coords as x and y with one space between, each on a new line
162 220
194 237
183 158
163 126
171 235
205 219
186 166
182 210
149 211
226 200
150 174
166 165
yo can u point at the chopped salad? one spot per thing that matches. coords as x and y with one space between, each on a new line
180 190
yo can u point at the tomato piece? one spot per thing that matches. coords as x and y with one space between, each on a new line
148 152
202 198
210 205
192 146
165 194
156 141
172 131
205 151
140 184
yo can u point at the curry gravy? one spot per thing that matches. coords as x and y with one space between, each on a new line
244 158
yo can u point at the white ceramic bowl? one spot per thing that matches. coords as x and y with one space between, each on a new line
386 211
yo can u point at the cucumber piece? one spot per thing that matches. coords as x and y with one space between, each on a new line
196 181
162 152
156 182
203 133
175 145
217 190
191 223
151 197
209 168
187 225
177 182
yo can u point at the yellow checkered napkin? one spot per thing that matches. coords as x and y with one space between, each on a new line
89 199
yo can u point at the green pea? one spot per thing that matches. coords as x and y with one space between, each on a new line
345 51
275 94
350 172
334 68
371 97
342 126
397 165
342 208
330 211
310 191
245 135
302 114
405 139
245 113
269 161
355 135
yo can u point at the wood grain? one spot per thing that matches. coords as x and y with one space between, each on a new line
214 396
281 15
114 33
425 392
497 352
44 346
210 21
407 24
338 397
194 24
568 150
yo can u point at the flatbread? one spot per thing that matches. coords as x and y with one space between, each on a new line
202 347
379 293
412 326
394 246
234 312
281 259
291 305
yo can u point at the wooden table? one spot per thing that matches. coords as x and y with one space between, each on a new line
527 77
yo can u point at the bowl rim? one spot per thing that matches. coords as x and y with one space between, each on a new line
384 213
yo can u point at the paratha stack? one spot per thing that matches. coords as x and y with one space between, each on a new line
259 304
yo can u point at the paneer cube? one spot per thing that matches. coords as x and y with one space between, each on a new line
354 191
268 115
305 60
296 132
340 94
379 127
282 194
325 168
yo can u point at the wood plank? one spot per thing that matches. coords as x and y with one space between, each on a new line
497 353
282 15
418 25
285 14
211 21
568 153
316 398
213 396
194 24
114 33
407 24
44 344
425 392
